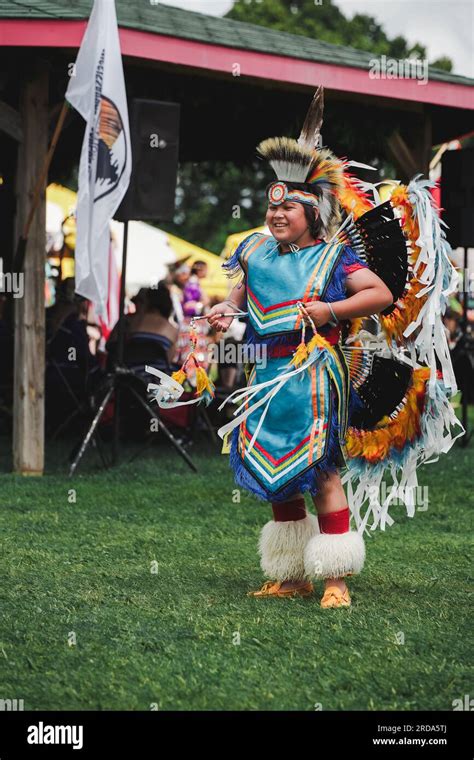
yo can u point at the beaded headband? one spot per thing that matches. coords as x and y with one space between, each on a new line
278 193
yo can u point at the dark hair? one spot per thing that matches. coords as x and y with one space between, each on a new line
198 265
315 225
159 299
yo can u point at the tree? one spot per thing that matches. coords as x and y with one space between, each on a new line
326 22
215 199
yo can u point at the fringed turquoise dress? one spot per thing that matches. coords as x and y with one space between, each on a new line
287 444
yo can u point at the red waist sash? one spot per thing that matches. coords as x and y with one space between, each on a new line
332 336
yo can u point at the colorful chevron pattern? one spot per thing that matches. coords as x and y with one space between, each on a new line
270 316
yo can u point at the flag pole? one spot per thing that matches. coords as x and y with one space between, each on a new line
120 343
23 240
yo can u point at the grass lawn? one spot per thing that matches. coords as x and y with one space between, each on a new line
147 572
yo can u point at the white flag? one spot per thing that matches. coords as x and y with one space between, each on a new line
97 91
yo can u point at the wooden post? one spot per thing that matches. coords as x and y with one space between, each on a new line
424 145
415 160
28 398
402 157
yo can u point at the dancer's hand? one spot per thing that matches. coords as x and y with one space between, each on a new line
318 311
220 323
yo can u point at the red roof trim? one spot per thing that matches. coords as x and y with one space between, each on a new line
135 43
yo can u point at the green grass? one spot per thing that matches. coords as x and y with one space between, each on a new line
167 638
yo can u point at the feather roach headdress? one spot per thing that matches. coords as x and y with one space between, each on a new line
302 162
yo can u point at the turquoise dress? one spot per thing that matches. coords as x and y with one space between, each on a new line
289 441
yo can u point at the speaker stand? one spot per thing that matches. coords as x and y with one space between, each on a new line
119 378
122 376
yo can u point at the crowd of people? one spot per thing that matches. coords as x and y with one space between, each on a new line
156 332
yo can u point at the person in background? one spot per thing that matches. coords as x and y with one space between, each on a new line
199 268
188 289
199 271
187 285
70 364
451 321
179 276
64 306
192 299
153 322
139 300
176 293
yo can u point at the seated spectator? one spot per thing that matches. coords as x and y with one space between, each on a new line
151 341
70 365
152 326
64 305
139 300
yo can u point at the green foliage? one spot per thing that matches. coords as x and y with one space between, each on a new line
326 22
215 199
444 63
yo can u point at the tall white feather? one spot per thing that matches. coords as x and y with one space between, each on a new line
291 172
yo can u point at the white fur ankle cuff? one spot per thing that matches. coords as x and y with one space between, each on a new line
282 546
332 555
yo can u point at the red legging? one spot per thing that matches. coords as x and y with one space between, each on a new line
295 509
284 511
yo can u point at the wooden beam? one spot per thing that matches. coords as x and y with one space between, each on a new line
416 159
10 122
423 146
402 157
28 398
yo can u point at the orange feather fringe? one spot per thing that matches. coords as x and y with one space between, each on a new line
352 198
408 306
392 432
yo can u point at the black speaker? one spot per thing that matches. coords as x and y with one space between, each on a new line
457 196
154 134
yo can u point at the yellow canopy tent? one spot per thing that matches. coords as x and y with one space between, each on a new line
63 197
66 200
233 240
216 284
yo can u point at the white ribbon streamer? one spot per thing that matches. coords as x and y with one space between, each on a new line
440 280
276 384
168 391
